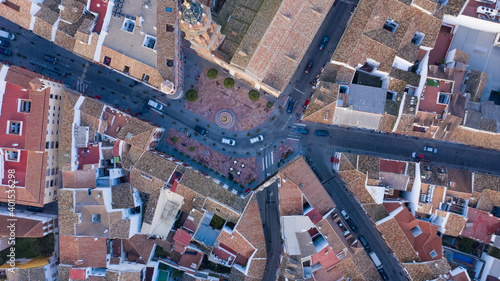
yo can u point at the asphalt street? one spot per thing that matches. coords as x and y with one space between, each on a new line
345 200
120 91
269 213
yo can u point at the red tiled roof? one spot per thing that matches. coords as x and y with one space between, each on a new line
425 242
174 186
182 237
221 254
189 225
24 227
390 166
326 257
314 215
483 225
221 245
83 251
116 148
78 273
190 258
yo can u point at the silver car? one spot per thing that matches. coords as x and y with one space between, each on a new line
430 149
230 142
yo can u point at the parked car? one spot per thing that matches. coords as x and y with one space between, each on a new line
306 103
323 43
289 108
201 131
155 104
375 260
309 67
383 274
344 214
4 43
301 131
6 35
351 223
363 242
5 52
321 133
50 59
230 142
256 139
418 156
430 149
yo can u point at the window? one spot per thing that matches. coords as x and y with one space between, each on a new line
12 155
57 144
128 25
169 28
14 127
418 37
416 231
168 9
57 97
170 63
96 218
47 184
51 96
52 171
48 172
51 183
145 77
444 98
126 69
433 254
107 61
47 145
391 25
24 106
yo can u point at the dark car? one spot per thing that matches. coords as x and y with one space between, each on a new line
4 43
5 52
50 59
353 226
323 43
321 133
363 242
301 131
383 274
289 109
201 131
309 67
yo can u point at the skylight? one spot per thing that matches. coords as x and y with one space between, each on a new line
418 37
433 254
128 25
149 42
391 25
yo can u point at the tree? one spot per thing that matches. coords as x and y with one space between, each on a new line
229 83
191 148
212 73
253 95
192 95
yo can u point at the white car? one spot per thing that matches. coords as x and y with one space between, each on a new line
344 214
230 142
430 149
256 139
155 104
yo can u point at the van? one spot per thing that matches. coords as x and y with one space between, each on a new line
7 35
50 59
256 139
363 242
201 131
155 104
375 260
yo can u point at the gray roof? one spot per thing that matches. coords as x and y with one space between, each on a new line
367 99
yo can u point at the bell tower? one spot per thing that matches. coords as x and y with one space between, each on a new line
201 31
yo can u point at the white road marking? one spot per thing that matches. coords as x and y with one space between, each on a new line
292 139
263 167
299 124
272 158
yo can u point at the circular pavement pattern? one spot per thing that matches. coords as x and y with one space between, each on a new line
225 119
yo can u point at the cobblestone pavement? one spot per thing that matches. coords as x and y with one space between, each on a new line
213 97
207 156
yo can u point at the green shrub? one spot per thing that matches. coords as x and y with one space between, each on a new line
192 95
269 104
229 83
212 73
253 95
191 148
175 139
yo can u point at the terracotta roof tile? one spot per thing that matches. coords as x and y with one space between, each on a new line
250 227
